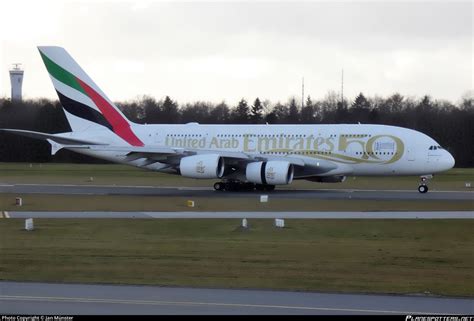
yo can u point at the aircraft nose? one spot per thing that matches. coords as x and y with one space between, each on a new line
448 161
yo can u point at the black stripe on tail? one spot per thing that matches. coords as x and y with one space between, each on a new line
83 111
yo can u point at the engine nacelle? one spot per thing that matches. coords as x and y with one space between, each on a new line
271 172
202 166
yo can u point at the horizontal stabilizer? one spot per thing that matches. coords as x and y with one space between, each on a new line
57 138
55 147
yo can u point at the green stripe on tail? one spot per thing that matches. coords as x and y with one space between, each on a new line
61 74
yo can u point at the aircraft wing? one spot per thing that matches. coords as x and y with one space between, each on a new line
156 152
166 151
305 166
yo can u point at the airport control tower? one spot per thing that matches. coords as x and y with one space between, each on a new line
16 79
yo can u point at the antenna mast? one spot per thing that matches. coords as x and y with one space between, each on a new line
342 88
302 94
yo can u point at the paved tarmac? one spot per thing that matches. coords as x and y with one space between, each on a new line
326 194
73 299
255 215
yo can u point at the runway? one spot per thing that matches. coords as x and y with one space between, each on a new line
248 215
326 194
73 299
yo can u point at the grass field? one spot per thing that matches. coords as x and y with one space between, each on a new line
51 173
389 256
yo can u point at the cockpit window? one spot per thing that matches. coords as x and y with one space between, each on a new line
435 147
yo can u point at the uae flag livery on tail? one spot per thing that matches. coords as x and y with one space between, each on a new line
84 103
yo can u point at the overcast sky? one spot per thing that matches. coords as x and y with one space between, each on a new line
215 51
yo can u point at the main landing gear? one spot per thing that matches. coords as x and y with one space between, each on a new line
240 186
423 188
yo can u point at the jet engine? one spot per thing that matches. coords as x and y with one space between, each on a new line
271 172
202 166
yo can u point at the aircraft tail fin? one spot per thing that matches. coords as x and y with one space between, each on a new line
85 105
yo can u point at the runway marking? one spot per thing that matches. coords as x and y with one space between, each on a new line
253 215
5 213
184 303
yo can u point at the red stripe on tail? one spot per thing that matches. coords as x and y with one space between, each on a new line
120 125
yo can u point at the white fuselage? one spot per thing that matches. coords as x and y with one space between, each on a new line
363 150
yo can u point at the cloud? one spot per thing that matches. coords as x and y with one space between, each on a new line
224 51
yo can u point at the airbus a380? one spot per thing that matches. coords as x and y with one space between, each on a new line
239 156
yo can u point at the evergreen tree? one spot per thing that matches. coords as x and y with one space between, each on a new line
308 112
360 109
293 112
256 112
240 114
342 113
170 114
361 103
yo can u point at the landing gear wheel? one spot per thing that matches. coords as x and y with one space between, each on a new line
219 186
269 188
236 186
422 189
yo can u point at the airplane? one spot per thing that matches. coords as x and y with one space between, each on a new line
241 157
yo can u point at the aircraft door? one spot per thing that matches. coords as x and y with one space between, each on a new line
158 139
410 154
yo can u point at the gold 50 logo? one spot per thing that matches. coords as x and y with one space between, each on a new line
384 149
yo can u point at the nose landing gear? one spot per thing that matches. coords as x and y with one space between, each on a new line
423 188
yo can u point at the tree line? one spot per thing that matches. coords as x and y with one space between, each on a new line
450 124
